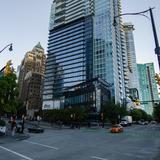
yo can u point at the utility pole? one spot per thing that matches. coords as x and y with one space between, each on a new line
157 48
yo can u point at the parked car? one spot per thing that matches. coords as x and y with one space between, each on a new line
124 123
128 119
35 129
2 127
142 122
153 122
146 122
19 127
116 128
3 130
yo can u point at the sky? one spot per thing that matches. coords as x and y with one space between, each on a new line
25 23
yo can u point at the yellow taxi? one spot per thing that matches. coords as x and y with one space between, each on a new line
117 128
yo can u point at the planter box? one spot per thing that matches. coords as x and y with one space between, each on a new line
3 130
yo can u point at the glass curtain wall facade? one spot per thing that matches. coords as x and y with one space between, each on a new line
148 86
70 48
83 44
110 61
131 57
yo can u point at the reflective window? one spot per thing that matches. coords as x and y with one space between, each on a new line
72 70
48 83
70 58
47 91
71 61
66 54
65 46
68 50
47 87
66 34
71 28
69 37
66 42
72 65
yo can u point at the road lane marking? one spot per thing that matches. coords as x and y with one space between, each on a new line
41 145
94 157
16 153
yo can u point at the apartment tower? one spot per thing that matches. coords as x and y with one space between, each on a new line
83 44
148 86
132 64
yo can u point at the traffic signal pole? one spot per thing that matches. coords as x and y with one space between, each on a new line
157 48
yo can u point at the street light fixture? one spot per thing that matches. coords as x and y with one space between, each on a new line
10 47
157 47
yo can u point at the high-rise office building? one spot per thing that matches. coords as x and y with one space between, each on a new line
148 86
83 44
132 64
31 73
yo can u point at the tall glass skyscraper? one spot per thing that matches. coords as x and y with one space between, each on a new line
83 44
148 86
132 64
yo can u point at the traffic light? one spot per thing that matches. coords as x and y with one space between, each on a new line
137 102
157 78
8 69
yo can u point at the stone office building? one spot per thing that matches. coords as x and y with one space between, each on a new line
31 74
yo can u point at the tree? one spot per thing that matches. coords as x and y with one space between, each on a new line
156 112
144 115
149 117
136 114
66 115
8 94
113 112
139 114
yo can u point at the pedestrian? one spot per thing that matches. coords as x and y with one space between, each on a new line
38 119
72 121
23 121
13 125
79 123
102 119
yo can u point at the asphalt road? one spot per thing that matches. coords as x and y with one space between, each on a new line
135 143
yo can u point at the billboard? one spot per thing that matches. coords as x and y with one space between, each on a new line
48 105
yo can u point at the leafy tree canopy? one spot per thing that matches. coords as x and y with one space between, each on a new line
156 112
8 93
139 114
113 112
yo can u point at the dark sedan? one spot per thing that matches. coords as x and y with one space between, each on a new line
35 129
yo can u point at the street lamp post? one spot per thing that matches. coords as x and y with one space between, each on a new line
157 47
10 47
